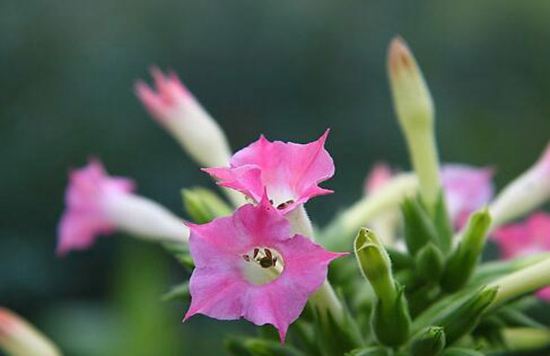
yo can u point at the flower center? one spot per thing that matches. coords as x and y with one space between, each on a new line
262 265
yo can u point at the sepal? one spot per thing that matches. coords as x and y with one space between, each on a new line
391 320
419 228
203 206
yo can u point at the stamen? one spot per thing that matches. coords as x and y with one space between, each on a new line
246 258
284 205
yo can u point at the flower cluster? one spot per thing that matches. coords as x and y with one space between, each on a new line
416 285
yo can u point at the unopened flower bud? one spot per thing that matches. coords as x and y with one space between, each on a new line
19 338
391 319
527 192
463 261
429 342
430 263
415 111
458 320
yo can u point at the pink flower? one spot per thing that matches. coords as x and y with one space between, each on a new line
248 265
289 171
19 337
176 109
526 238
86 198
467 189
380 174
98 204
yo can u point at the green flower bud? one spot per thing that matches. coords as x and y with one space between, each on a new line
391 319
463 317
203 205
464 259
430 263
375 264
259 347
419 228
430 342
415 111
461 351
370 351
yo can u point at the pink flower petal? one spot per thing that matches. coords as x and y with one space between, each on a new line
379 175
85 217
170 95
526 238
467 189
219 287
290 172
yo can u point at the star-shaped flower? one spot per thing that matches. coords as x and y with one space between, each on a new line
249 265
289 171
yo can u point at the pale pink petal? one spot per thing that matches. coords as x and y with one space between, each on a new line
218 286
170 94
544 294
467 189
379 175
290 172
526 238
85 215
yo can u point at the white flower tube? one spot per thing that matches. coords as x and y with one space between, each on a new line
179 112
19 338
100 204
527 192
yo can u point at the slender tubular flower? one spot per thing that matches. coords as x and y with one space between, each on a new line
415 111
467 189
249 265
526 238
19 338
99 204
177 110
527 192
526 280
289 171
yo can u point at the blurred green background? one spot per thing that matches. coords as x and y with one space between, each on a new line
286 68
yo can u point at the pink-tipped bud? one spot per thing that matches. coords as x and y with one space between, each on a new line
97 204
411 95
19 337
415 112
176 109
524 194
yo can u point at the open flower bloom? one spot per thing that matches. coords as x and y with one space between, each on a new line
19 337
99 204
289 171
248 265
467 189
524 194
175 108
525 238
